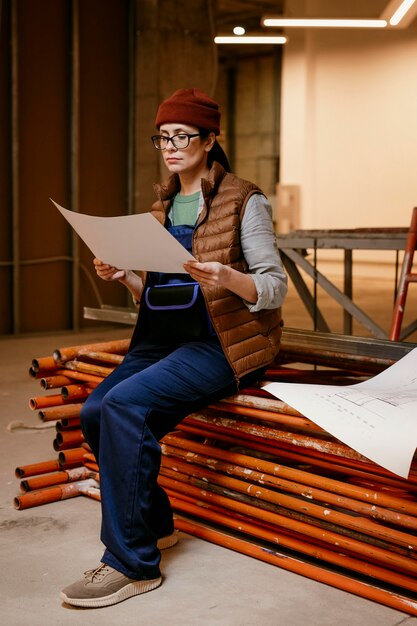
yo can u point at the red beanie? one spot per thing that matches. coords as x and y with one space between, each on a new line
190 106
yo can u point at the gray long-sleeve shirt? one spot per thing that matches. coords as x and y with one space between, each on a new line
260 250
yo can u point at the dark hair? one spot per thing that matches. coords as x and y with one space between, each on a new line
216 153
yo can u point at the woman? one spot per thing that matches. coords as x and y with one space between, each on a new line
200 336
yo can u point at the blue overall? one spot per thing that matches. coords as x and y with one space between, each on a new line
154 388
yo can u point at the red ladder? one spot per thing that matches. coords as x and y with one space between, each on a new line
406 277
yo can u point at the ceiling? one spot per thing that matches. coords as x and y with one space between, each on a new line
248 13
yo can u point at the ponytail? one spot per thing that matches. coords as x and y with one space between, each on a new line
218 154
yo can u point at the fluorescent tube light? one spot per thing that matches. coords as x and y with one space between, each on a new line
401 11
242 39
323 23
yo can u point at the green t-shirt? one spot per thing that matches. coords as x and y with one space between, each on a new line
185 209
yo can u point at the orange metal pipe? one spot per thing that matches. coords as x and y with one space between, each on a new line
269 447
50 494
300 423
56 478
105 357
237 523
120 346
334 579
42 402
68 439
91 466
356 363
347 369
67 424
299 476
336 468
89 456
44 363
354 546
60 412
36 374
52 382
334 463
291 514
44 467
93 493
74 455
71 393
265 402
81 376
365 464
224 424
89 368
363 525
326 465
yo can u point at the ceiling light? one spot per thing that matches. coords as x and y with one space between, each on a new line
250 39
239 30
323 23
401 11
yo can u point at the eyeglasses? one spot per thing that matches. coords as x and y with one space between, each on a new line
180 141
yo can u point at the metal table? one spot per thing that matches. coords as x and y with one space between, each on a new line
293 248
298 344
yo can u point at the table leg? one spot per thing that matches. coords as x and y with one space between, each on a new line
304 293
333 291
347 289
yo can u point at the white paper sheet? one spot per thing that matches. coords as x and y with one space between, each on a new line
134 242
377 418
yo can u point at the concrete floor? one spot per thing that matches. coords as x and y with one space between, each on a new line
44 549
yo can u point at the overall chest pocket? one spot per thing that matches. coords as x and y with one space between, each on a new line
176 313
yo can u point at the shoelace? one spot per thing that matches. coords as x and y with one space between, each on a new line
98 573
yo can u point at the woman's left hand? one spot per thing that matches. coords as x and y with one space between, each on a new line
214 274
210 273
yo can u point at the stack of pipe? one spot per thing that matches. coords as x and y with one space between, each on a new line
319 510
252 474
71 373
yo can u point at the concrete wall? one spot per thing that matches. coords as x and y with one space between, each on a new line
63 135
248 91
174 49
349 124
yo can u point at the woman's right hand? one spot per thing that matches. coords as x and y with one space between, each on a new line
108 272
128 278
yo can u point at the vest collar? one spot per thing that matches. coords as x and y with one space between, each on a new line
209 185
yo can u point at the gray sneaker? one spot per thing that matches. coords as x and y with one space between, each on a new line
168 541
105 586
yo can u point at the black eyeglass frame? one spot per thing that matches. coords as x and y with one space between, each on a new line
189 136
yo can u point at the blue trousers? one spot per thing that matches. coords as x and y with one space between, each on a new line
153 389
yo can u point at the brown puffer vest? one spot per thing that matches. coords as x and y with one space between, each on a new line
250 340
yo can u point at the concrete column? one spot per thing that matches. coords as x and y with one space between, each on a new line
174 50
